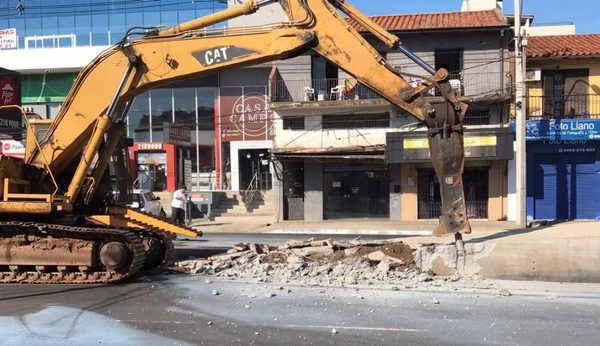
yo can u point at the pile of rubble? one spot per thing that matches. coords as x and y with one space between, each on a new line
317 262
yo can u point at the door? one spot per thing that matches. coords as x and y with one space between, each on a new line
564 186
255 169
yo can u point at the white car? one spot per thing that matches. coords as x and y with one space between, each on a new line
145 201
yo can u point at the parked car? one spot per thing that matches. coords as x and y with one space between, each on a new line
145 201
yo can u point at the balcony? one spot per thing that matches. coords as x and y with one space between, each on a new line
307 90
563 107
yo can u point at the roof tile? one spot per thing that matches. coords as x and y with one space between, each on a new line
446 20
563 46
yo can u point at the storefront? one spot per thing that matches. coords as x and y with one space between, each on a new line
563 169
333 185
416 185
161 166
243 137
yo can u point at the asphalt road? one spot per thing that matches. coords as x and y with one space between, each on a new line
175 309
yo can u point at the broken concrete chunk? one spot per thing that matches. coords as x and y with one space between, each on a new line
256 248
293 244
228 256
240 246
504 293
312 251
379 256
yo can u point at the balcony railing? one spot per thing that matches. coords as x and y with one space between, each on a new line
433 210
563 107
466 84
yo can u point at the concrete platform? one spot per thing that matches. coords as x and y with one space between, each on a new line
563 252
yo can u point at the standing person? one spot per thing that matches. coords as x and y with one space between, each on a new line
178 205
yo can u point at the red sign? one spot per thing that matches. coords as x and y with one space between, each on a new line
245 114
9 91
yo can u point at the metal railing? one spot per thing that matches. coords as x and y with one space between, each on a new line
433 210
307 90
251 191
563 107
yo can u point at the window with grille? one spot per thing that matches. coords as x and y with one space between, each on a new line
356 121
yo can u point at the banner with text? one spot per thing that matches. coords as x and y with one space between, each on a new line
245 114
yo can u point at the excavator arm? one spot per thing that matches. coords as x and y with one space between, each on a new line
76 149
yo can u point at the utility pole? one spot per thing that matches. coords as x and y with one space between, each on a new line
521 121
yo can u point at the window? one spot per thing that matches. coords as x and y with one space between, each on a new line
450 59
477 117
356 121
293 123
206 108
324 76
185 104
161 111
139 119
565 93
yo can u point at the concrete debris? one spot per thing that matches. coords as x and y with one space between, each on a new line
215 292
327 262
334 331
504 293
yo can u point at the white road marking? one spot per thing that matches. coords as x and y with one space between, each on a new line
379 329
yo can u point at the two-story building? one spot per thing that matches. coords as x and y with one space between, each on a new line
563 127
343 152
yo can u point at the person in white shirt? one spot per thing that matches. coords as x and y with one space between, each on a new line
178 205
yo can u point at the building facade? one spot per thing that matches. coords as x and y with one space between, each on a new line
343 152
50 41
563 127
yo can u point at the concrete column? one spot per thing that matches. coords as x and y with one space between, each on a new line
409 189
313 191
512 191
395 192
277 192
496 188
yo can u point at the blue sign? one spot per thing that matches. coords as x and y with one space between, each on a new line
562 129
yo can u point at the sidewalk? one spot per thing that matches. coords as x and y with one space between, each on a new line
563 252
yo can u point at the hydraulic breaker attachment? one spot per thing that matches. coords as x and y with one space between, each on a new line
447 154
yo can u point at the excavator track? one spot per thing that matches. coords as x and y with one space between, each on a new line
37 238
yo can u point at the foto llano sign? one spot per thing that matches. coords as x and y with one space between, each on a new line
563 129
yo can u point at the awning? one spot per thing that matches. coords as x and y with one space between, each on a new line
47 87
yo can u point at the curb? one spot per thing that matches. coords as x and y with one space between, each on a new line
350 232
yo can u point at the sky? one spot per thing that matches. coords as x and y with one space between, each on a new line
584 13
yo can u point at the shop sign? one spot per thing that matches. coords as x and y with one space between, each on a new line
179 135
9 91
470 141
563 129
10 94
245 114
149 146
13 148
8 38
152 158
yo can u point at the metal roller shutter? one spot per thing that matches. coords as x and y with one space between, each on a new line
564 186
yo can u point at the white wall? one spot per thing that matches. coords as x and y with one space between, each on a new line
269 14
39 60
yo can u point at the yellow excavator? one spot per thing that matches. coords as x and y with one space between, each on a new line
63 215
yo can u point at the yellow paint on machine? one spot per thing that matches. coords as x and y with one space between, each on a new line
470 141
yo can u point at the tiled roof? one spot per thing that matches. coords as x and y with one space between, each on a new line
447 20
563 46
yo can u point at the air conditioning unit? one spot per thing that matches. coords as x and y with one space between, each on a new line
533 75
